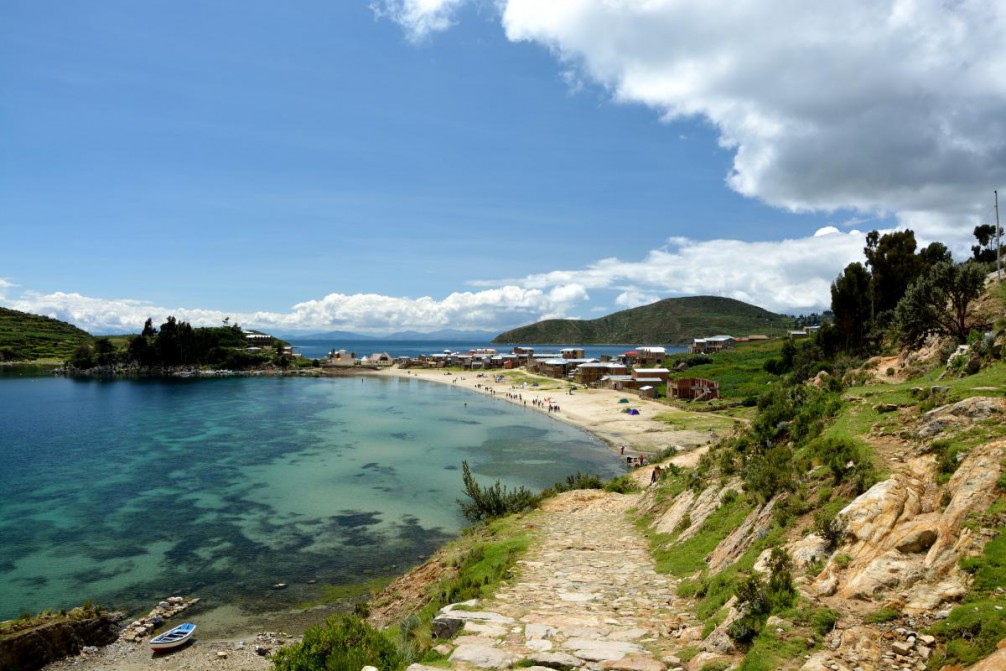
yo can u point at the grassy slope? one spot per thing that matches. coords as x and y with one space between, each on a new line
672 320
28 337
860 419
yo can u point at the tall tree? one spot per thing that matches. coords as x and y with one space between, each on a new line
893 266
985 250
937 303
935 252
850 302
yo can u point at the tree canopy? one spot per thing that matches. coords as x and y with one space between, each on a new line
937 303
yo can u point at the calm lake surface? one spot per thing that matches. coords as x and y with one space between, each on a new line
123 492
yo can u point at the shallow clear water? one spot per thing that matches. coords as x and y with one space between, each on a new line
123 492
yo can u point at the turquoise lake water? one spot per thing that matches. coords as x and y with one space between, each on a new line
123 492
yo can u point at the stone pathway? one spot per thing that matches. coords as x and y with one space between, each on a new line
586 597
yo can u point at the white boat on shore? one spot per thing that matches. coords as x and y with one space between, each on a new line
173 638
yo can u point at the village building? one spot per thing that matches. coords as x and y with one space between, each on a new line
378 360
616 382
572 353
645 356
693 389
659 374
257 338
712 344
591 373
342 358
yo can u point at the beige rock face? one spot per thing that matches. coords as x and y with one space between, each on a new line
696 508
902 543
734 545
872 517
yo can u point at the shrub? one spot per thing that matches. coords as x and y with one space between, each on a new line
830 528
343 643
743 629
621 485
495 501
823 620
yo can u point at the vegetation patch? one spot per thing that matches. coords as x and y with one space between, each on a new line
28 337
770 651
343 643
685 557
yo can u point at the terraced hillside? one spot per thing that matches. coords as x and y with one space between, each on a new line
28 337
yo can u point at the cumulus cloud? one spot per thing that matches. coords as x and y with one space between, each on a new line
886 107
5 287
490 309
782 276
419 18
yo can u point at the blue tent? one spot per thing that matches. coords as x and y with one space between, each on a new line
633 411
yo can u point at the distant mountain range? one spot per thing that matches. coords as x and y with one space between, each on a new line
670 321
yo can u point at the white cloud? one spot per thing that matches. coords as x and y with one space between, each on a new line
783 276
491 309
5 287
881 106
633 298
419 18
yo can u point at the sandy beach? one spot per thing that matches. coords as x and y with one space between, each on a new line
598 411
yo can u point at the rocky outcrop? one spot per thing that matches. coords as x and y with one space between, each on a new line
901 543
741 538
694 509
34 648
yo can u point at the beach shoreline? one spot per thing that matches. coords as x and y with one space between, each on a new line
595 411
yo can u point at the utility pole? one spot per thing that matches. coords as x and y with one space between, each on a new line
999 263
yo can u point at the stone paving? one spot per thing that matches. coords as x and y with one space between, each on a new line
586 597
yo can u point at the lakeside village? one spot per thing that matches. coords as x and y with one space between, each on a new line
640 370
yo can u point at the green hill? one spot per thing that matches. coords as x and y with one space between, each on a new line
672 320
28 337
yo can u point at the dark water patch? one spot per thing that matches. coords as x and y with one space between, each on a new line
106 553
33 582
451 467
84 578
458 420
403 435
353 519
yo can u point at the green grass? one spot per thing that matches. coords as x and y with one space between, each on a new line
883 615
770 651
683 558
347 593
740 371
28 337
486 555
695 421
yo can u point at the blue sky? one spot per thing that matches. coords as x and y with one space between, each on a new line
426 164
